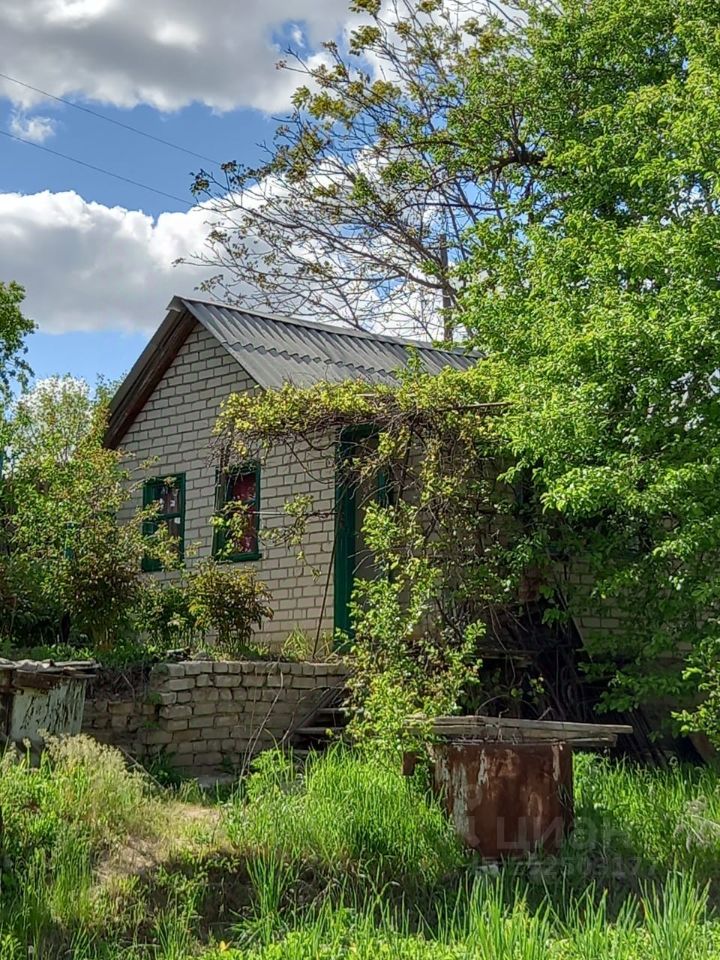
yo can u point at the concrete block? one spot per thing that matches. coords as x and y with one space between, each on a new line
175 725
158 737
199 723
194 668
176 670
121 708
179 683
201 709
177 711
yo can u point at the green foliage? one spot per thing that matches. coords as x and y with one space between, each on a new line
333 827
230 602
440 565
596 299
347 816
343 857
162 617
14 328
403 662
80 793
213 605
70 572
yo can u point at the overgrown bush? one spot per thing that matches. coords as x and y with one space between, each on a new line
162 617
231 603
71 569
80 792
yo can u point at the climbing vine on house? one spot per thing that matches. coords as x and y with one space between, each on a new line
443 566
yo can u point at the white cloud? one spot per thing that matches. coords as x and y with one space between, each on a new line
86 266
167 53
35 128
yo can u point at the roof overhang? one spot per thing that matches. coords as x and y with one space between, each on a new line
273 351
147 371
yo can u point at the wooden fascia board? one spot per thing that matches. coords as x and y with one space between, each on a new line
149 369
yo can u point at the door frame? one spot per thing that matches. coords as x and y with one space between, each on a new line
346 503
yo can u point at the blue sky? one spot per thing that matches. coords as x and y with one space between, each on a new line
95 254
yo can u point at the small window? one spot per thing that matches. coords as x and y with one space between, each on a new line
168 493
238 492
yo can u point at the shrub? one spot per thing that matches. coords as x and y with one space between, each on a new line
80 790
230 602
162 617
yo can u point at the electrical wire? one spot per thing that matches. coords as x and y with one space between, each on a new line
102 116
91 166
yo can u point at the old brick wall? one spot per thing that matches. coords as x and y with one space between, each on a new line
173 434
209 715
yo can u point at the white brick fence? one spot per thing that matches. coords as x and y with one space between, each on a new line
209 716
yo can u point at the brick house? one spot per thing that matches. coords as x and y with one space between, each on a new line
164 413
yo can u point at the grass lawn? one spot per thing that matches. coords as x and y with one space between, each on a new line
344 858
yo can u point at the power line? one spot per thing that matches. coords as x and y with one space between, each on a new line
102 116
91 166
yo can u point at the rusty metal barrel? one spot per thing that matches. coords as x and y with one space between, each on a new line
507 800
508 783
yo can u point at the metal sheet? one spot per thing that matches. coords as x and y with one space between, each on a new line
279 350
36 712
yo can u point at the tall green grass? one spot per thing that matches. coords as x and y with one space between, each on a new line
647 821
343 857
486 920
348 858
346 815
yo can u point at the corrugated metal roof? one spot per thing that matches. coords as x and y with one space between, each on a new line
273 350
279 350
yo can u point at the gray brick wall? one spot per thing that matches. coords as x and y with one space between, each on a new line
172 434
207 716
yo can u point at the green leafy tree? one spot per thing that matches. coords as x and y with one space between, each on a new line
71 571
14 328
596 297
585 265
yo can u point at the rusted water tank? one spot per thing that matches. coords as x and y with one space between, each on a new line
507 799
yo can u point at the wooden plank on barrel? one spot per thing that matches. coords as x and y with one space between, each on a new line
517 730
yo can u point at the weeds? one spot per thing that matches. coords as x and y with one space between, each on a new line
345 815
344 858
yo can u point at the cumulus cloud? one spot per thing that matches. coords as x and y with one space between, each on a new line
167 54
35 128
87 266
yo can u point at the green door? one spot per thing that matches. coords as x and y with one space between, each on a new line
353 559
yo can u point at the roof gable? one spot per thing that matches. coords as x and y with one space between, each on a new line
273 351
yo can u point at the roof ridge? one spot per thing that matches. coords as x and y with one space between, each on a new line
323 327
308 358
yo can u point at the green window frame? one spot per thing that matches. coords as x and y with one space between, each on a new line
154 491
225 483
